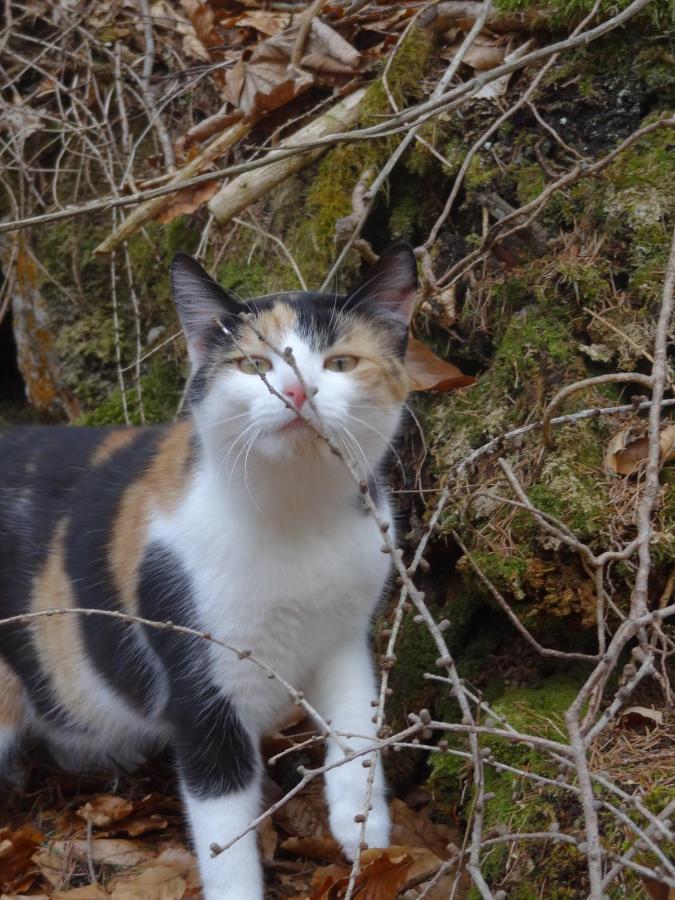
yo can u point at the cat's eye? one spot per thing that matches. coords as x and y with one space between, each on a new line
255 365
340 363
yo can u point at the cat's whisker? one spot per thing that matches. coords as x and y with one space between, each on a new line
341 436
224 461
420 431
387 440
368 469
250 444
218 423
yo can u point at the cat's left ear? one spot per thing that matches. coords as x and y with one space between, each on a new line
201 304
389 289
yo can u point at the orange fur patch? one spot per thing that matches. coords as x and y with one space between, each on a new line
116 440
381 373
161 485
273 325
58 639
11 698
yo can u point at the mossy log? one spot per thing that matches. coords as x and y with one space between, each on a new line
245 189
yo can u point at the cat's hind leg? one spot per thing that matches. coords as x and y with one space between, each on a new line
12 721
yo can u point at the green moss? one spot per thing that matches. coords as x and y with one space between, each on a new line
578 499
161 389
328 198
87 344
506 571
416 653
407 216
537 710
246 280
535 349
530 182
565 13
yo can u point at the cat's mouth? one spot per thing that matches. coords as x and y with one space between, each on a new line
296 425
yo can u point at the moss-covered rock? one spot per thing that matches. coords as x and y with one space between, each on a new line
98 325
514 803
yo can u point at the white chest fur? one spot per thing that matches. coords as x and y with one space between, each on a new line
288 584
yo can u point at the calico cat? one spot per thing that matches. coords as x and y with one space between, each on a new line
237 520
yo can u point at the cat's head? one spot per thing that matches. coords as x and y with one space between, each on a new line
349 350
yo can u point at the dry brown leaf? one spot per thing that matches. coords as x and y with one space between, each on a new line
267 839
187 201
104 810
152 883
415 829
267 86
22 896
265 82
166 16
268 23
481 59
306 814
51 865
658 890
429 373
110 851
313 847
203 19
383 874
16 852
325 41
425 865
640 716
485 53
194 48
84 892
143 825
627 450
184 863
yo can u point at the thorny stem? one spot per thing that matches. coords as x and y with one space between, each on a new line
651 483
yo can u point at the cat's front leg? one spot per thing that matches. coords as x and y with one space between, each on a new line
234 874
342 691
220 775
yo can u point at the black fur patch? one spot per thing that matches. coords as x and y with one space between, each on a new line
42 469
214 752
111 644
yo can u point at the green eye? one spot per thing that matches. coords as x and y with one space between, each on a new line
340 363
255 365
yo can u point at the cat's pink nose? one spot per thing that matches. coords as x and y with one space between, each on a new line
296 394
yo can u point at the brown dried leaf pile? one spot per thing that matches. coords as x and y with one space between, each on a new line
75 839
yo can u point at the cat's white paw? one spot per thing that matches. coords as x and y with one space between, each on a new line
232 892
347 832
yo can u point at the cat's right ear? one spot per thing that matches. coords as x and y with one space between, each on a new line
201 303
